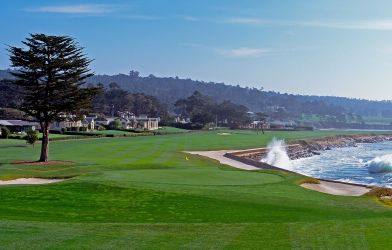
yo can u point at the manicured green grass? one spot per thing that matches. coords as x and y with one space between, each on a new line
21 135
172 130
144 193
54 135
111 132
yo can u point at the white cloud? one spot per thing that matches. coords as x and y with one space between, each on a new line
244 52
74 9
385 24
241 52
362 25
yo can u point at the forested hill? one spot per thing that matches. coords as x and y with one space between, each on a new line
168 90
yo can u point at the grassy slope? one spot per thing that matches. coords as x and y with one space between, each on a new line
142 193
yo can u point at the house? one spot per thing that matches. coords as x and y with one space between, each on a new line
279 125
182 120
142 122
103 121
257 125
19 126
89 122
129 121
73 123
260 125
146 123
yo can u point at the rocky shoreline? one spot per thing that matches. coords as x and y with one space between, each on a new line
309 147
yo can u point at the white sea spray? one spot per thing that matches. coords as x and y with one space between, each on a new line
277 154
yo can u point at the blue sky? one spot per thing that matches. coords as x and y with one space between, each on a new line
329 47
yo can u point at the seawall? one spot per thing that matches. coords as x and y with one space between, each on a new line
309 147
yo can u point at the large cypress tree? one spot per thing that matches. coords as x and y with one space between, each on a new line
50 72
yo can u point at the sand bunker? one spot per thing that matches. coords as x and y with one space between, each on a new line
334 188
29 181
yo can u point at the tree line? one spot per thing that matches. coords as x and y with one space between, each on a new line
112 99
203 110
169 89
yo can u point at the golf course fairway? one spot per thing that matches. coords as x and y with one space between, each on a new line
145 193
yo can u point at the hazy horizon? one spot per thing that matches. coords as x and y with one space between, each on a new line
304 47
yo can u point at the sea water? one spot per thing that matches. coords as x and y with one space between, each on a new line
368 163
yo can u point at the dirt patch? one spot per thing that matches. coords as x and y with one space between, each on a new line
37 163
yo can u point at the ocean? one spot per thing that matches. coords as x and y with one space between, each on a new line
369 164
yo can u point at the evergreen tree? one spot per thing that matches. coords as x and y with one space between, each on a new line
50 72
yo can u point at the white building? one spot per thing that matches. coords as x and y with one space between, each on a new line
19 126
142 122
73 123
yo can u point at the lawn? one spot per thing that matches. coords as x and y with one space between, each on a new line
143 193
172 130
51 136
54 136
111 132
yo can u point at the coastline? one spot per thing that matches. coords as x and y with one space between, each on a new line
325 186
303 148
309 147
250 159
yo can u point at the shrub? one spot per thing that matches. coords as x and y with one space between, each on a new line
116 124
82 129
380 192
189 126
100 128
309 180
5 132
31 137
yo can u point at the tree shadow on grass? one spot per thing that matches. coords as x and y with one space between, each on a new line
13 146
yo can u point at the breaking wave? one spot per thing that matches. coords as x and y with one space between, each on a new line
277 154
380 164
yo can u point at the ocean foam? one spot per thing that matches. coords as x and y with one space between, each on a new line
380 164
277 154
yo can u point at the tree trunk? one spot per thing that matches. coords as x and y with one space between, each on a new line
45 142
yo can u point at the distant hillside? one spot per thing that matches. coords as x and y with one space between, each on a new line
168 90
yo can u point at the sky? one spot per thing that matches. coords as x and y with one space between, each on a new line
332 47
